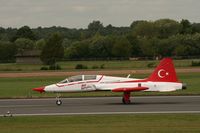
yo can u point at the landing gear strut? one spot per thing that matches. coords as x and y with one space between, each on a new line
126 98
58 100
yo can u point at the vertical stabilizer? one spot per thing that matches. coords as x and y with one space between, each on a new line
164 72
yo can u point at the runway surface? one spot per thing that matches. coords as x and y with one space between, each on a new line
101 105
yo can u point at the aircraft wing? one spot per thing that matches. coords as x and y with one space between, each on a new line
139 88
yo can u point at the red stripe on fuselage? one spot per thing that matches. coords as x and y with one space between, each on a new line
129 89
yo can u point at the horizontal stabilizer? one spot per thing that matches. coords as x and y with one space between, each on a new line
139 88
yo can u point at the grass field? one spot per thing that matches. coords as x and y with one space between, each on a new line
139 123
70 65
21 87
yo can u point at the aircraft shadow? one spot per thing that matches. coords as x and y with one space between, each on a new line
146 103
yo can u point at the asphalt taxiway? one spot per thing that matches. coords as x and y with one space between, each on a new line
101 105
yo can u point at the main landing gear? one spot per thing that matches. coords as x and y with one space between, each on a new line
126 98
58 100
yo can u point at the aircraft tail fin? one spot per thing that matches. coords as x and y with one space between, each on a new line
164 72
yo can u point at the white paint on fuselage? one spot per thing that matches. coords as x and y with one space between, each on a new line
105 83
153 86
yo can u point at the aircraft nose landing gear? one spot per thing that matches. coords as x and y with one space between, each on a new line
58 100
126 98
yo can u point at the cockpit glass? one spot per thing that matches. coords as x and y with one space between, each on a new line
64 81
75 78
90 77
79 78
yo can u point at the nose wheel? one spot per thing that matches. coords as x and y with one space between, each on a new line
58 100
126 98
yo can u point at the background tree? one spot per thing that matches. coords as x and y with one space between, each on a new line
66 43
167 27
135 23
53 50
187 45
7 51
196 27
145 29
24 44
95 26
163 37
136 49
24 32
101 45
78 50
186 27
40 44
149 47
122 47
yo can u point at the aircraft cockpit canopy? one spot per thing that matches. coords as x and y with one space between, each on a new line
79 78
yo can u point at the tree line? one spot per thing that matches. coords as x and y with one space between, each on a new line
160 38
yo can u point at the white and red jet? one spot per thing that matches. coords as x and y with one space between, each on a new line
163 79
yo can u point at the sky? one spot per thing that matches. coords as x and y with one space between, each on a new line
79 13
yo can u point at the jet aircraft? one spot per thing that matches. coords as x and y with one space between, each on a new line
163 79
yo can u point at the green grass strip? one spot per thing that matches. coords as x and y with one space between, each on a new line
136 123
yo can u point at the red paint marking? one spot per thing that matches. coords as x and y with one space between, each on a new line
164 72
129 89
39 89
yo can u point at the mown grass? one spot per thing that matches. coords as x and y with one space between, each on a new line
22 87
139 123
70 65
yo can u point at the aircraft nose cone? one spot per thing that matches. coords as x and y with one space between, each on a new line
39 89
